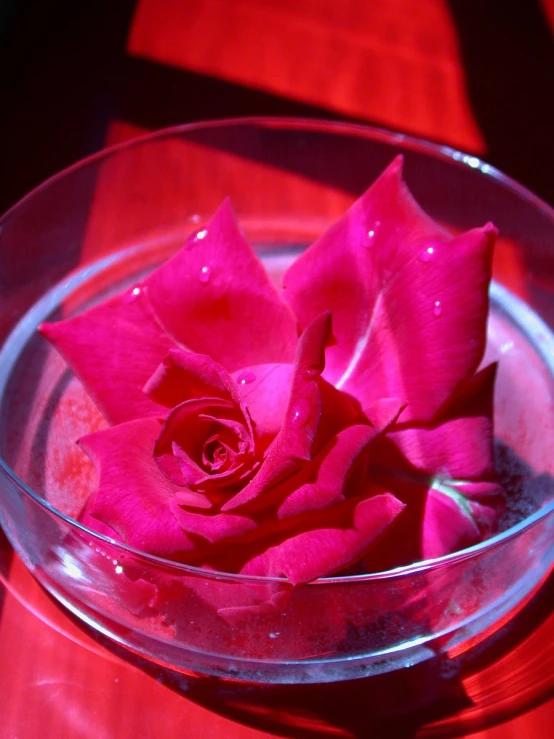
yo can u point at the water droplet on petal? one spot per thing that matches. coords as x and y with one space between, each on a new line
195 238
300 412
371 234
437 308
132 294
427 254
205 274
195 218
245 378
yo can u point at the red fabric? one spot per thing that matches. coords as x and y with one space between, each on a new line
394 62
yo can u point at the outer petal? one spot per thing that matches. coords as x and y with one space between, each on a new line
457 515
212 297
409 304
447 525
133 494
113 349
216 298
322 551
445 472
458 443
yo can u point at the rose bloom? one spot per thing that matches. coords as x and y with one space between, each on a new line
339 424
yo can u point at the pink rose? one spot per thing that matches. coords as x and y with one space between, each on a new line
340 422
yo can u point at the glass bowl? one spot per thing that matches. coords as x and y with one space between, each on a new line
101 224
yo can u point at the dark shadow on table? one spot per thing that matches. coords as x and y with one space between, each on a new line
507 50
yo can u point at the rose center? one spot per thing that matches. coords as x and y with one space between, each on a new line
220 452
215 455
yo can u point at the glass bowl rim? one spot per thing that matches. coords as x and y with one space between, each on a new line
434 150
360 130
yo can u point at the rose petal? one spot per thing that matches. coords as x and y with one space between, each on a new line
133 494
190 499
216 298
322 551
444 471
409 303
178 450
331 471
212 528
384 412
293 444
231 312
338 411
113 348
458 514
316 485
487 501
185 375
265 392
447 525
458 443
